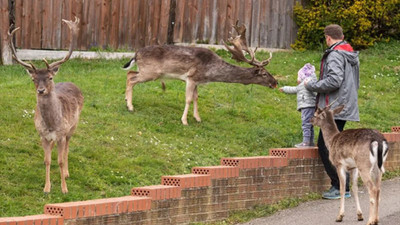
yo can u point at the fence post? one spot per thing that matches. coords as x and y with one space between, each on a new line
4 23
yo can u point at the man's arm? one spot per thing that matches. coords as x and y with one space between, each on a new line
333 78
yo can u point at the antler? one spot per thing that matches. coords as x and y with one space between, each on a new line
14 52
240 44
73 26
329 106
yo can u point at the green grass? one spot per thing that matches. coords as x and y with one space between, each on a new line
114 150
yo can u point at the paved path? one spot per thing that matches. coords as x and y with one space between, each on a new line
323 212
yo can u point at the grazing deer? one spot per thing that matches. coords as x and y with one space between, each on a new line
359 151
196 66
57 110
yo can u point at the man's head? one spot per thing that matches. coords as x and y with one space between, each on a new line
333 33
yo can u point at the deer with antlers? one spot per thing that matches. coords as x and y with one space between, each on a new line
359 151
58 107
196 66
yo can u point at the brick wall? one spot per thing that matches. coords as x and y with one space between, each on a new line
209 193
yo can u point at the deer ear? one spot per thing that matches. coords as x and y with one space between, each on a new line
338 109
30 71
54 70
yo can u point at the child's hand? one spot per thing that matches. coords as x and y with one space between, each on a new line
307 80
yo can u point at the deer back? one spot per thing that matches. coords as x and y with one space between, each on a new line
171 60
359 144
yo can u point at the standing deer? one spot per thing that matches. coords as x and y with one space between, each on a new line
57 110
196 66
359 151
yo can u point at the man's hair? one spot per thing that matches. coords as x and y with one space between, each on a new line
334 31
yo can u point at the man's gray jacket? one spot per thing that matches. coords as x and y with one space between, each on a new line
339 81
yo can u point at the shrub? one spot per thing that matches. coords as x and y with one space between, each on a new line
363 21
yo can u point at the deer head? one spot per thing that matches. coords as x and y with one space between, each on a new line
325 115
240 46
43 78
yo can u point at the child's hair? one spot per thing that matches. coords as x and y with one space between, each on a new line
306 71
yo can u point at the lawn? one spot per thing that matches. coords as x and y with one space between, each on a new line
114 150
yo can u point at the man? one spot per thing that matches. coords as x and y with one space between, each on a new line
338 83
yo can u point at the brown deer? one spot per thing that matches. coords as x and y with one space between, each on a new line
359 151
57 110
196 66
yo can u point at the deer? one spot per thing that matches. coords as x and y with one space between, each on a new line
358 151
196 65
58 107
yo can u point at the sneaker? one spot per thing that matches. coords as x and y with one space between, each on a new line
304 145
334 193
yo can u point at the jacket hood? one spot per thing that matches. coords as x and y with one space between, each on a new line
351 57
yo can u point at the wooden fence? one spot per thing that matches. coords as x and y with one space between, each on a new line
131 24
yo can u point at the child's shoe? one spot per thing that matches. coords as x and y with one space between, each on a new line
304 145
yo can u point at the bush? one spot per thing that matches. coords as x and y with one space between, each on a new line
363 21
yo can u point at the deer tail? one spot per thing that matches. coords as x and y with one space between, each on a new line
379 150
129 64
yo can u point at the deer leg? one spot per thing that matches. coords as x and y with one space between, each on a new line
130 82
366 177
65 155
61 145
354 177
190 87
342 179
195 108
47 146
378 178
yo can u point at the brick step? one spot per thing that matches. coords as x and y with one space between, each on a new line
295 153
217 172
255 162
33 220
98 207
157 192
187 180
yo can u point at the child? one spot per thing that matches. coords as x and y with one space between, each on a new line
305 103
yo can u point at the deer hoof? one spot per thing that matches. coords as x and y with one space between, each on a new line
360 217
46 189
130 108
339 218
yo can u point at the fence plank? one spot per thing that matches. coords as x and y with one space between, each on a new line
47 12
255 24
247 18
4 27
66 14
164 20
265 5
222 17
56 24
36 25
273 32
